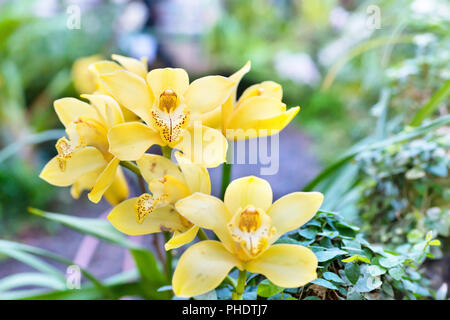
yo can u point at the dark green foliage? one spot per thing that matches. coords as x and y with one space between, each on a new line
404 190
350 267
20 187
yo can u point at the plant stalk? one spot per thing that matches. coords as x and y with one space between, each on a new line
167 152
168 264
132 167
226 177
201 234
240 287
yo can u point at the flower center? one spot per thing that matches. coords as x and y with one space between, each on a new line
249 220
251 228
92 133
146 204
65 150
168 100
170 117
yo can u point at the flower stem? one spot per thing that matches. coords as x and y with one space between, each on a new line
157 245
201 234
167 152
226 177
168 265
240 287
132 167
141 182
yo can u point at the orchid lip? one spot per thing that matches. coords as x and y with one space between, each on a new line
168 101
146 204
251 228
170 117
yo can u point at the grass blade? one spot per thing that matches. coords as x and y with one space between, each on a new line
431 105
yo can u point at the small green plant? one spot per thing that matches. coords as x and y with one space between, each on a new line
404 190
349 266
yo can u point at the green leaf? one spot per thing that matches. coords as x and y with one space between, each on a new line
352 271
367 283
396 273
311 298
308 233
148 266
325 255
329 234
165 288
98 228
415 236
434 243
350 154
391 261
363 259
31 279
149 269
22 250
267 289
439 169
431 105
387 288
375 270
325 283
328 171
289 240
40 137
120 285
20 294
346 225
352 244
250 294
332 277
350 259
357 257
7 248
313 222
354 295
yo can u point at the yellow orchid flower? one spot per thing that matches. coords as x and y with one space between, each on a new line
155 213
135 66
258 112
86 75
169 106
83 160
247 224
84 80
86 71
